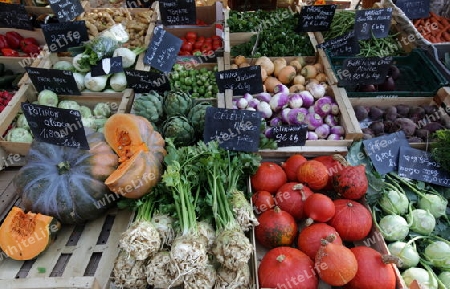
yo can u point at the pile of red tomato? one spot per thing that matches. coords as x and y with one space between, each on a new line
193 44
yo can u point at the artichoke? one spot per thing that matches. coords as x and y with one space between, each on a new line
196 116
179 130
150 106
177 103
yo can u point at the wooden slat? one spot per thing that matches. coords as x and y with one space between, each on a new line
54 283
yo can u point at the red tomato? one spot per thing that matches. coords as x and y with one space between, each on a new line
191 36
184 53
201 38
208 40
216 37
206 47
198 44
216 44
187 46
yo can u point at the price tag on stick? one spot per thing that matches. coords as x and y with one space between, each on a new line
66 10
345 45
107 66
373 23
62 127
14 16
316 18
61 36
56 80
364 70
233 129
178 12
163 50
145 81
419 165
384 151
292 135
414 9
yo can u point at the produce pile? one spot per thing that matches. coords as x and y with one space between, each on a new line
136 24
296 94
434 28
174 114
412 217
344 22
419 123
277 35
5 97
194 44
200 83
190 230
14 44
92 117
310 215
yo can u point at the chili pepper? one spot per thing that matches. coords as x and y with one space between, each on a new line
13 38
3 41
31 49
9 52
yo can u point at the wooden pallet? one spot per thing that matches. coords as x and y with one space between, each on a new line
82 256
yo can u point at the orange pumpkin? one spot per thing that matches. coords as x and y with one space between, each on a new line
141 151
314 174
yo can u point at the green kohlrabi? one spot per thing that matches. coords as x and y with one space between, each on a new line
406 252
19 134
22 122
69 104
433 203
393 201
422 276
438 254
102 109
422 222
444 277
48 97
393 227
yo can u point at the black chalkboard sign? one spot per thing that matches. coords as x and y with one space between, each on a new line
66 10
15 16
139 3
56 80
315 18
163 50
292 135
107 66
364 70
384 151
144 81
241 80
345 45
61 36
373 23
233 129
414 9
178 12
419 165
62 127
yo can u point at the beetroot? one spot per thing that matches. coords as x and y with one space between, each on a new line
407 125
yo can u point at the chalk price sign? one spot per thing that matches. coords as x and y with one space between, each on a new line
62 127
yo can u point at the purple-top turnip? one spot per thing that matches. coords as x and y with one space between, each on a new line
322 131
253 103
313 120
338 129
311 135
279 101
297 116
285 114
331 120
242 103
334 136
295 100
263 96
276 121
281 88
322 106
307 98
264 108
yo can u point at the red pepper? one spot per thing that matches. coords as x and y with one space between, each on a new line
3 41
9 52
28 40
31 49
13 39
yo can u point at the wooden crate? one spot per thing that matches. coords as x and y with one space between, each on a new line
441 99
374 240
119 102
82 256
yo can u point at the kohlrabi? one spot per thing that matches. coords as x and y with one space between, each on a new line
393 201
433 203
85 111
444 277
422 222
48 97
69 104
63 65
393 227
422 276
19 134
102 109
406 252
22 122
438 253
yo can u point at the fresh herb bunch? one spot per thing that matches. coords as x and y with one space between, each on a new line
440 149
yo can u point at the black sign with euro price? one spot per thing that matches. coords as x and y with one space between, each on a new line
58 126
291 135
15 16
241 80
144 81
163 50
233 129
372 23
414 9
61 36
315 18
66 10
384 151
56 80
419 165
107 66
345 45
139 3
178 12
363 70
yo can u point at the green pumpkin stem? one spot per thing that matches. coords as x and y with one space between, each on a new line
63 167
